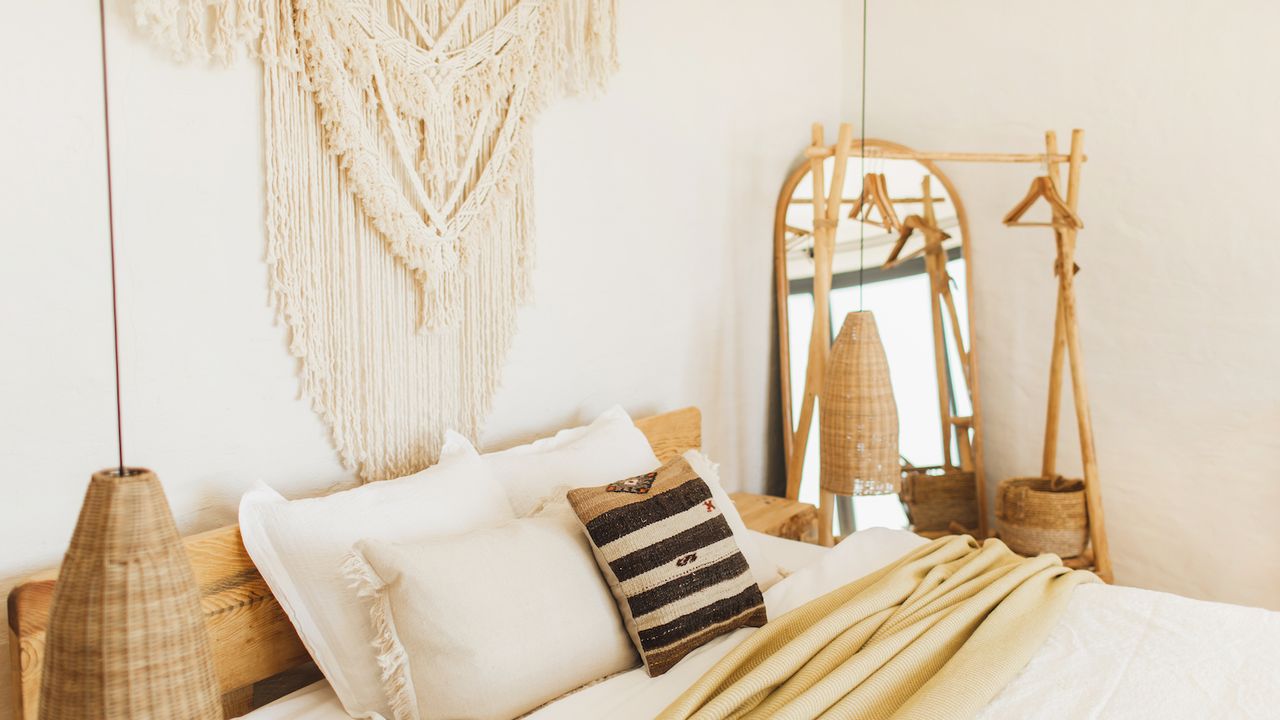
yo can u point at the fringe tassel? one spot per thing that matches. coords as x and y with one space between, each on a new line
393 660
401 305
196 30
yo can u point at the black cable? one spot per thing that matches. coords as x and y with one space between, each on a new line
111 233
862 156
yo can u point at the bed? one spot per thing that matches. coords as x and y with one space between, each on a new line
1115 652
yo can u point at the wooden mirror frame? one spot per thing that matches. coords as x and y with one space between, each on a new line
782 292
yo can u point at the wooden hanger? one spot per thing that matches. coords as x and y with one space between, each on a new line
926 224
1044 187
915 223
797 236
875 196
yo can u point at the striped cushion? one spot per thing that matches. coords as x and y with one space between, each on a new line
671 561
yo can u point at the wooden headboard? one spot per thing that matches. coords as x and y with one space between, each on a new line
256 653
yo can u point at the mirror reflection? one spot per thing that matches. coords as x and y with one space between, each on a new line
922 313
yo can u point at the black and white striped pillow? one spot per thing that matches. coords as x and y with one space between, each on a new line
671 561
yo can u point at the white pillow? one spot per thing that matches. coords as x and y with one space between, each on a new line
610 448
764 569
491 624
299 547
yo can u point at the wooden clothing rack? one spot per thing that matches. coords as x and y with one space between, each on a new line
1065 223
1066 336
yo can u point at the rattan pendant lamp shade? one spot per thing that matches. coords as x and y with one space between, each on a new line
857 413
858 416
126 638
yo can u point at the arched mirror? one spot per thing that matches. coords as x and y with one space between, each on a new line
919 290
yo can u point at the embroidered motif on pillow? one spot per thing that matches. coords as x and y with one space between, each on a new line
671 561
640 484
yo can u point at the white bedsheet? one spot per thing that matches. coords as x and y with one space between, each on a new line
1116 653
1122 652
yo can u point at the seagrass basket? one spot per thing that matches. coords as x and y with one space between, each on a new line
1042 515
936 497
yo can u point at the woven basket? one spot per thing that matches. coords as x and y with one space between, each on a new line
126 636
936 497
1042 515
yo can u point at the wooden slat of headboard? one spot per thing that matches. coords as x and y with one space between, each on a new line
671 434
252 638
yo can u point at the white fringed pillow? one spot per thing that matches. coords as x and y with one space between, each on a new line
299 547
491 624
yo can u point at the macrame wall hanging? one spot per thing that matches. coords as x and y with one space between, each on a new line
399 203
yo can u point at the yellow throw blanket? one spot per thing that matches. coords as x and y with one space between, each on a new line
934 635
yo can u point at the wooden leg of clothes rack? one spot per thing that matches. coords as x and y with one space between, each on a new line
1054 411
1066 337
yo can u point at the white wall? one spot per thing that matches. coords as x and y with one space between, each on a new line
655 205
1178 303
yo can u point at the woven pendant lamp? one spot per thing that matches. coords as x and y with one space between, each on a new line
858 416
126 636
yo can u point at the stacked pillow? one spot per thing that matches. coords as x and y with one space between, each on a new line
299 547
425 597
491 624
543 471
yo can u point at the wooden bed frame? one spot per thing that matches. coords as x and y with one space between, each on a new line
256 653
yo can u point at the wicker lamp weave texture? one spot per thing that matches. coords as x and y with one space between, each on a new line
858 416
126 636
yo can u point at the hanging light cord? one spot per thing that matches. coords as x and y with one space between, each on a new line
862 156
111 233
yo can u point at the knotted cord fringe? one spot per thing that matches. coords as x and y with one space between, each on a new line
399 191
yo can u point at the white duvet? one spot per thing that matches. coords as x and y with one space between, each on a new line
1116 653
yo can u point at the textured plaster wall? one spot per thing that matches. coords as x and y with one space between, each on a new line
1179 311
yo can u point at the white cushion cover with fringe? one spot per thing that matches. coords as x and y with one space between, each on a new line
299 547
491 624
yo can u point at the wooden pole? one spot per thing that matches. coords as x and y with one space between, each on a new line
1034 158
961 350
1080 393
826 214
945 288
826 518
935 260
1049 462
850 201
962 426
932 263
